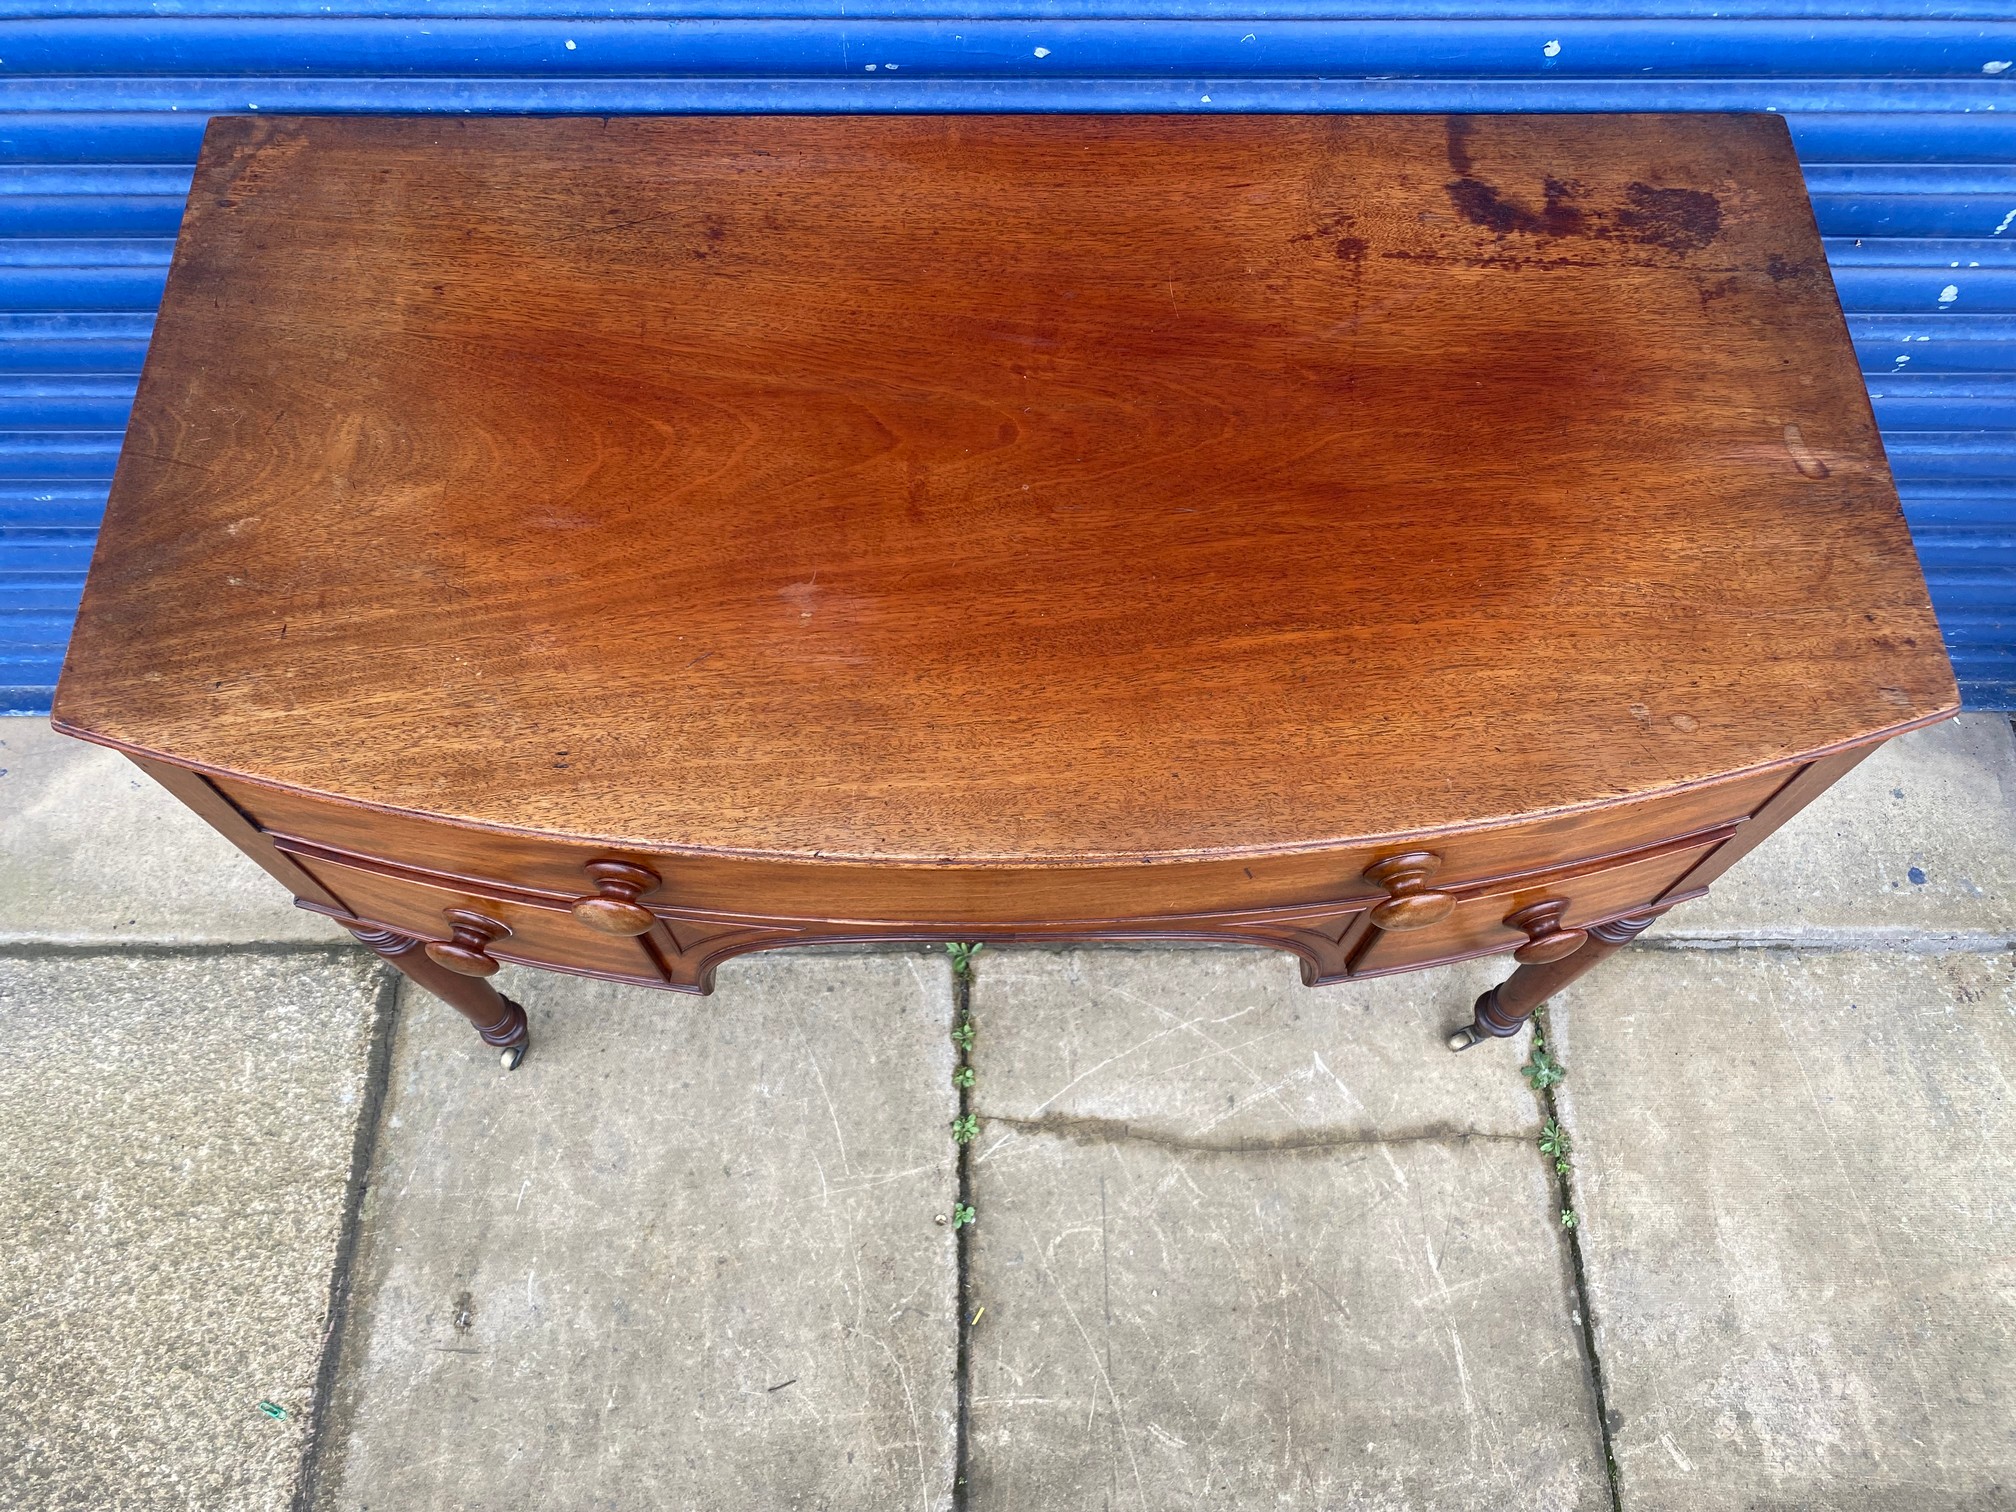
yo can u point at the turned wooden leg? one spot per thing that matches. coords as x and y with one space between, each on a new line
1503 1011
500 1021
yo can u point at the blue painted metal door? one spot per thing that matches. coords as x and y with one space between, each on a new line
1904 115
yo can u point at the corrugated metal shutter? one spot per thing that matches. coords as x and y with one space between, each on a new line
1913 174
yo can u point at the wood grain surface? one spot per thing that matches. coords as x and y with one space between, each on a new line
999 488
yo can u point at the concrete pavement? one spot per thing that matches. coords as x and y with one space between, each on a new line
1799 1204
685 1256
1236 1242
92 852
180 1134
1244 1245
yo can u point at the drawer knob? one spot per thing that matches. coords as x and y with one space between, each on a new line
1546 940
468 952
614 908
1410 904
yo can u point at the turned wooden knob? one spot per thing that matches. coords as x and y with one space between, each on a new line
1411 905
1546 940
614 908
467 952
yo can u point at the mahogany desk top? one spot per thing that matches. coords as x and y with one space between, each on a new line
615 545
1000 487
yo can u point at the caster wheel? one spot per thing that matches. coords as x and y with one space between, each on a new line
513 1055
1464 1038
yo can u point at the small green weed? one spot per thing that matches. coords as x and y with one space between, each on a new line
963 1077
962 1034
1542 1071
961 1215
1554 1145
965 1129
962 958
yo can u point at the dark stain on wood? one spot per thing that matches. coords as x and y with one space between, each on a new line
1456 135
1680 220
1482 205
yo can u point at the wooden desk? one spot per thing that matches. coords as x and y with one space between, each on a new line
614 545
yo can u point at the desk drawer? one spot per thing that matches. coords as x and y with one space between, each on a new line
538 936
1478 925
977 894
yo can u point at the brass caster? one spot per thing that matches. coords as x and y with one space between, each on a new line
513 1055
1486 1022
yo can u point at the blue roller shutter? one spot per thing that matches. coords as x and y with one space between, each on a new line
1904 115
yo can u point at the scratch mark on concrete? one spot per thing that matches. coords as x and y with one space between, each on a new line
832 1113
916 1428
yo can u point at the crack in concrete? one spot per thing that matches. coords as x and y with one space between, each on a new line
1310 1141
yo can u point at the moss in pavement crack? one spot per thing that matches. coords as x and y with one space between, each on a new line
1543 1073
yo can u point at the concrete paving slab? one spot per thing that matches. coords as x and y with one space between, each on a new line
92 852
685 1256
178 1144
1230 1041
1917 845
1240 1243
1797 1174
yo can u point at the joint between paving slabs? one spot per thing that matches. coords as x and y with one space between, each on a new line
332 950
1902 941
965 1125
319 1438
1543 1073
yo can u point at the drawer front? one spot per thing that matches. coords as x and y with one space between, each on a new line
1477 925
538 936
1004 895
